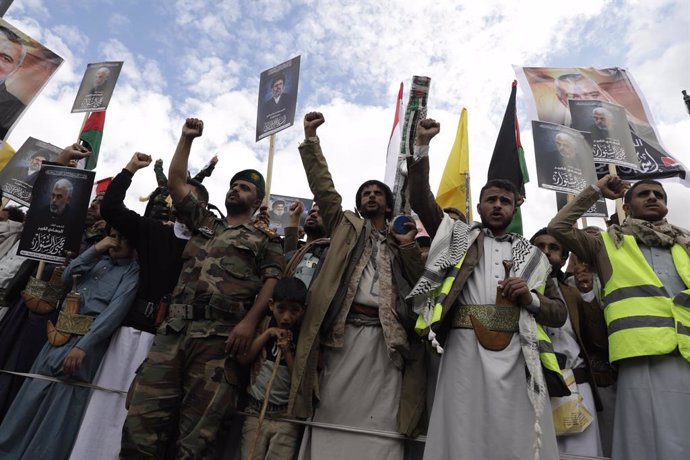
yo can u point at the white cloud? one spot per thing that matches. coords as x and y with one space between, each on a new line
354 54
142 72
118 23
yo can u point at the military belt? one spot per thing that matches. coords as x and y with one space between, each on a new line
493 317
73 323
197 312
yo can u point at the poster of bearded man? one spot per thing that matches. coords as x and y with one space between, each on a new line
25 68
97 87
19 175
55 220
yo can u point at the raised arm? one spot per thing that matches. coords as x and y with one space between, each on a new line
562 227
422 200
320 180
177 174
291 241
113 208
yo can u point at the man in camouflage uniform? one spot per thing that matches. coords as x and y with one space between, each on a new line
230 269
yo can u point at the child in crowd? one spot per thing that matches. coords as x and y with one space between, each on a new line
277 440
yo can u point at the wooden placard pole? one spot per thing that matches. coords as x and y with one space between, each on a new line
619 201
83 123
267 395
269 168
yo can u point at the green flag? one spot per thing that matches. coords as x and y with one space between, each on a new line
91 135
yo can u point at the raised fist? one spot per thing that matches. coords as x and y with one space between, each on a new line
612 187
295 212
193 127
426 130
312 120
139 161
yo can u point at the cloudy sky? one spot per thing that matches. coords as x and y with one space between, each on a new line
202 58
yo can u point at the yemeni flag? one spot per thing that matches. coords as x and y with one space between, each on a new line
508 159
394 143
91 135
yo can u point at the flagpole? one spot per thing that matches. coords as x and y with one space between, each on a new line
468 204
269 168
83 122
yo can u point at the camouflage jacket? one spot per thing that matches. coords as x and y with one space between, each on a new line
224 266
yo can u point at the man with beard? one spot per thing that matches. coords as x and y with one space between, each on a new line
29 175
229 270
490 382
602 123
644 268
94 98
304 263
12 54
356 319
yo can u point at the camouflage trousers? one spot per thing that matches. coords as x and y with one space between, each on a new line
179 395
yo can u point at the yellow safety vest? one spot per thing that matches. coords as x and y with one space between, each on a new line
641 318
546 354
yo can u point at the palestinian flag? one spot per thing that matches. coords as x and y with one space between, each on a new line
508 159
91 135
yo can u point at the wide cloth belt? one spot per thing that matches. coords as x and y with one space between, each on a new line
493 317
73 323
358 308
197 312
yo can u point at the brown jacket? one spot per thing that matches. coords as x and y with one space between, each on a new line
588 323
327 291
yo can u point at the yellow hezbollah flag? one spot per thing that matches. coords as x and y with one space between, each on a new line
6 154
454 189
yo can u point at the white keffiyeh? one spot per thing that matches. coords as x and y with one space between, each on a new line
450 244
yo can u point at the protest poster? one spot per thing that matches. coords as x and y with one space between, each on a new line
55 220
28 67
277 98
278 211
20 173
598 209
564 158
550 88
612 142
97 86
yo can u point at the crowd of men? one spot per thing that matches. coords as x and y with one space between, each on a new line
362 342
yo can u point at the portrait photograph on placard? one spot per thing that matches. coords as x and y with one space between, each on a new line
277 98
279 209
27 67
97 87
19 175
55 219
563 157
612 142
551 88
